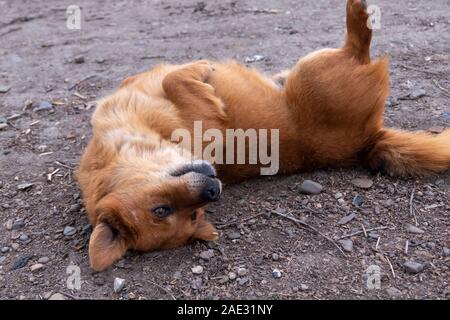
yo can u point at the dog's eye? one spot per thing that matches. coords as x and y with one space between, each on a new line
162 211
194 216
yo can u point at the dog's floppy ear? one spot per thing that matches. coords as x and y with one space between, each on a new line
112 236
206 231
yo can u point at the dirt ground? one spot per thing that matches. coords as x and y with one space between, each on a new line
50 76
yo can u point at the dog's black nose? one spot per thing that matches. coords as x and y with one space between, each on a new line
212 190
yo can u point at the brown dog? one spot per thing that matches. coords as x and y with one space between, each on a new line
144 192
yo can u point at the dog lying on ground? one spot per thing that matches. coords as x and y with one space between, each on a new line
144 192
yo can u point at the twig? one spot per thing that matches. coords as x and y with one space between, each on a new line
223 226
64 165
390 266
361 232
304 224
82 80
406 247
50 175
364 230
71 296
162 288
378 243
412 210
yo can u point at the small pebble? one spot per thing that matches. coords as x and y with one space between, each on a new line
393 292
18 224
304 287
446 252
9 225
15 246
232 276
119 284
44 260
69 231
413 267
4 89
341 202
234 235
417 94
311 187
24 186
2 259
243 281
347 245
358 201
79 59
207 255
241 272
197 283
3 126
36 267
338 196
24 238
197 270
363 183
223 280
57 296
5 249
43 106
413 229
276 274
275 257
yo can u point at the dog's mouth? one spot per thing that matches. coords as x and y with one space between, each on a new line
201 167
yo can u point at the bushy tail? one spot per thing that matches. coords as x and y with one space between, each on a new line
402 153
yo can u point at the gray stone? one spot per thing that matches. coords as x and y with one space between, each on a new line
347 219
338 195
57 296
446 252
119 284
24 238
9 225
234 235
75 208
275 257
232 276
43 106
413 229
197 270
207 255
2 259
413 267
417 94
347 245
4 89
5 249
223 280
3 126
19 223
358 201
276 274
243 281
393 292
363 183
197 283
79 59
311 187
15 246
69 231
24 186
44 260
36 267
304 287
241 272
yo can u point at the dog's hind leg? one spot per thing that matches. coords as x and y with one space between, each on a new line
188 90
359 35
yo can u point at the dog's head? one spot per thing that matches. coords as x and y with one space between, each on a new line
148 210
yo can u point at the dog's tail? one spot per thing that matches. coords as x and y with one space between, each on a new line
402 153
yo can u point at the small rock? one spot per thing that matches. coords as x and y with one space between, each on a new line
79 59
358 201
5 249
197 270
69 231
232 276
338 195
243 281
347 219
241 272
446 252
21 262
311 187
207 255
2 259
347 245
197 283
18 224
119 284
436 130
57 296
413 229
234 235
15 246
24 238
3 126
363 183
75 208
9 225
43 106
4 89
36 267
413 267
44 260
255 58
275 257
417 94
24 186
341 202
393 292
100 60
276 274
304 287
